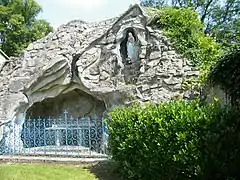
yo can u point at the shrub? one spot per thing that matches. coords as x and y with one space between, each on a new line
177 140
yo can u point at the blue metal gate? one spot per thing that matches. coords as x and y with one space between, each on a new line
63 136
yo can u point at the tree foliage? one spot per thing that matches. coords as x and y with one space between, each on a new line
186 32
220 18
154 3
19 26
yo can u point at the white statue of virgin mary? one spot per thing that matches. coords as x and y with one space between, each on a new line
131 47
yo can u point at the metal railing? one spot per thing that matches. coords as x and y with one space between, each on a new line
63 136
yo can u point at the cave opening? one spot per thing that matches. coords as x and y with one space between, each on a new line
71 119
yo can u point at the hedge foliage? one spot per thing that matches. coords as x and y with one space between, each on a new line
176 140
226 74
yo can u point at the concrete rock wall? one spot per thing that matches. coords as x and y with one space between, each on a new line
88 57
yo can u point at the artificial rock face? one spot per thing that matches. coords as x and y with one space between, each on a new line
106 64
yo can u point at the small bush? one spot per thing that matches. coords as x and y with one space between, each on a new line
177 140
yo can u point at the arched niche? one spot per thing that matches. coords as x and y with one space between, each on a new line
76 102
65 110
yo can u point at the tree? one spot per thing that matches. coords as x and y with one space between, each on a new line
19 26
224 23
153 3
220 18
186 32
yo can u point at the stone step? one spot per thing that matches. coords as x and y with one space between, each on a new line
58 151
47 159
79 149
63 154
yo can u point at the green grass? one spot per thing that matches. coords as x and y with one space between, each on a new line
44 172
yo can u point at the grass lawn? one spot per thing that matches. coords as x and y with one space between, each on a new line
18 171
43 172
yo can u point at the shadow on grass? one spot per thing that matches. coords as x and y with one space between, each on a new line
107 170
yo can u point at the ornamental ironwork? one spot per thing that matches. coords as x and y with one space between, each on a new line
63 136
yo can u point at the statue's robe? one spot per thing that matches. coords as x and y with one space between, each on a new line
130 50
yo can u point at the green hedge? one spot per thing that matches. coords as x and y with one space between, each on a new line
177 140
